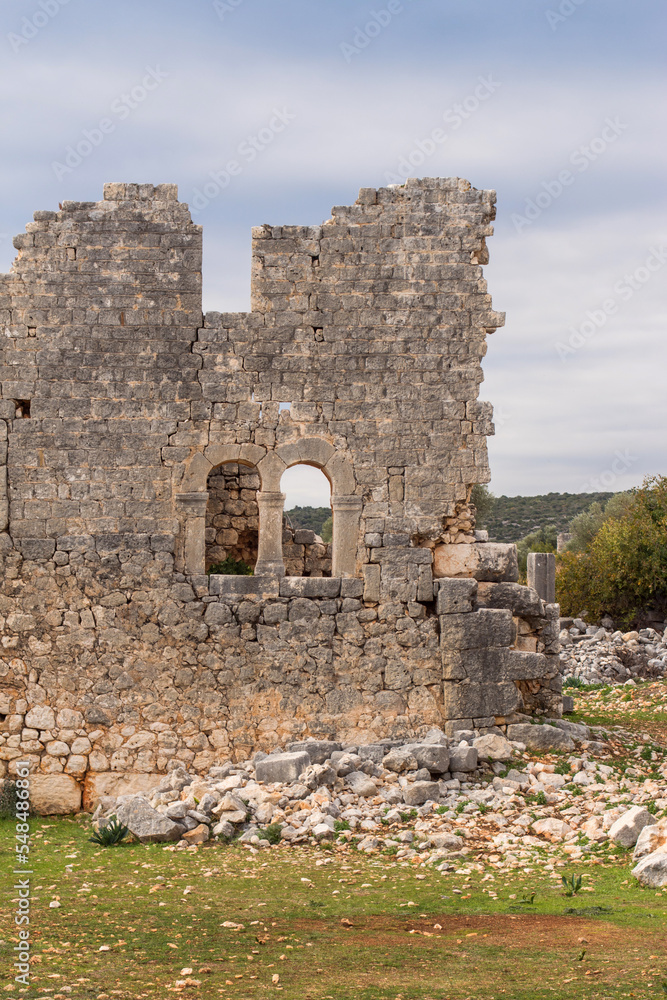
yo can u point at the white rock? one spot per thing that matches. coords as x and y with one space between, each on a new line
652 870
493 747
651 839
627 827
554 829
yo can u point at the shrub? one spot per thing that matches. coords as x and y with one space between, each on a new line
231 567
623 572
482 500
271 833
113 833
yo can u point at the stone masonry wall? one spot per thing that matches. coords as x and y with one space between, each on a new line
119 404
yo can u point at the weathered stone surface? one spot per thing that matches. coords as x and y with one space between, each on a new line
116 783
540 737
552 828
484 561
492 747
652 838
40 717
434 758
421 791
199 835
463 759
284 767
317 750
652 870
361 784
145 823
54 794
627 827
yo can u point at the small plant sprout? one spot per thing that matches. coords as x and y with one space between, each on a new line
108 836
572 885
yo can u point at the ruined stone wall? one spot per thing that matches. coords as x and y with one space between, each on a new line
119 404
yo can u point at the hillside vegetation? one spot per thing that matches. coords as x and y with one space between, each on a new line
512 518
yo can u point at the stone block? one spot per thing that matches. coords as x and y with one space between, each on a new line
237 586
115 784
523 602
651 839
146 824
282 767
351 587
361 784
463 759
542 575
485 561
465 700
455 596
372 590
431 756
318 750
309 586
36 549
420 792
492 747
652 870
627 828
40 717
544 738
481 629
54 794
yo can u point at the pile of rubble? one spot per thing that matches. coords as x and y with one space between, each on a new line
594 654
437 801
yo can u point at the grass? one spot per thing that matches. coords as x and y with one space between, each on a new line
331 924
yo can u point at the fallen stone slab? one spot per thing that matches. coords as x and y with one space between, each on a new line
652 870
434 757
652 838
463 759
492 747
146 824
317 750
282 767
420 792
625 831
361 784
540 737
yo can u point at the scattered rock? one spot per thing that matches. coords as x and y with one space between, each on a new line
651 839
652 870
543 738
146 824
282 767
492 747
627 828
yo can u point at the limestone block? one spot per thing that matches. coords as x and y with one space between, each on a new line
651 839
69 719
484 628
146 824
543 738
309 586
455 596
468 700
282 767
652 870
521 601
463 759
40 717
625 831
421 791
400 759
431 756
551 828
484 561
317 750
116 783
76 765
199 835
492 747
361 784
54 794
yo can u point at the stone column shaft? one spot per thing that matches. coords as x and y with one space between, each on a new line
346 514
270 546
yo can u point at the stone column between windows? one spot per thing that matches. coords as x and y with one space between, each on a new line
346 514
270 546
192 507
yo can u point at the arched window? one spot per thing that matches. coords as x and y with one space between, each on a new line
308 522
232 519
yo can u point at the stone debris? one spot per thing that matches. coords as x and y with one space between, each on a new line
508 810
592 654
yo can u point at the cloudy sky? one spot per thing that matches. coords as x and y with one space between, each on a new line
317 99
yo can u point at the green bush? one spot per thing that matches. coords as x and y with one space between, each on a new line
623 572
542 540
231 567
8 799
483 500
326 534
113 833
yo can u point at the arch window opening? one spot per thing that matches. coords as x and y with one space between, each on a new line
232 519
307 522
